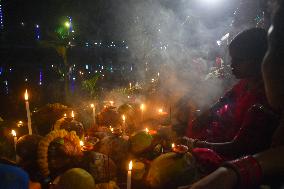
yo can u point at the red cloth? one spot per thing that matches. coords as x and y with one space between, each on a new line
231 115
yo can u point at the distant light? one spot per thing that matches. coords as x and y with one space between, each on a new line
67 24
26 79
72 31
22 23
37 26
87 67
74 78
126 47
102 67
52 65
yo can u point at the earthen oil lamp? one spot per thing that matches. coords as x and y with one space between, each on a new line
179 149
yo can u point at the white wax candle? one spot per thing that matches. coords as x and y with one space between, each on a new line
94 113
28 113
13 132
129 175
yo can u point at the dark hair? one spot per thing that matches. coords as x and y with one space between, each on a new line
251 43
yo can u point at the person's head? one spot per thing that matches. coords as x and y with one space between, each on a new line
247 50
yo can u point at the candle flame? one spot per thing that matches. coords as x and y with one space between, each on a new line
142 107
26 95
173 145
72 114
65 115
123 117
111 102
130 166
147 130
92 105
13 132
160 110
81 143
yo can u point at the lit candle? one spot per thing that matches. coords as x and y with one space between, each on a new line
130 85
111 129
94 113
81 143
13 132
28 113
173 146
65 115
160 111
72 114
147 130
142 109
123 123
129 175
111 103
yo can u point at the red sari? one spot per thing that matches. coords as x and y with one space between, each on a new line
230 113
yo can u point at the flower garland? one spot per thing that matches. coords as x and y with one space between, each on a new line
45 142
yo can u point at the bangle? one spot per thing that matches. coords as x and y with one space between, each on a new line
248 170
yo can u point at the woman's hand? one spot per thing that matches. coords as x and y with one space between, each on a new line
222 178
189 142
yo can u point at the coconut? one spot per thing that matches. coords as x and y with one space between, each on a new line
108 116
100 166
140 142
115 147
70 124
170 169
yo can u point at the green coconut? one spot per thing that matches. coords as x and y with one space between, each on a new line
76 178
170 169
140 142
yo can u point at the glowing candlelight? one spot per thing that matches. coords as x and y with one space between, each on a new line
123 123
65 115
111 103
130 85
14 134
147 130
20 124
72 114
160 110
81 143
94 113
28 112
142 107
111 129
173 145
129 175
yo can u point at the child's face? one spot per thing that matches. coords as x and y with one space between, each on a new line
241 67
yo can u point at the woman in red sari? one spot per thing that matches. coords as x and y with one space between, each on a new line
241 122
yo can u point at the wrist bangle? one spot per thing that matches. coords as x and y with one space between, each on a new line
248 170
